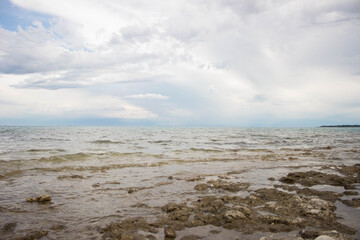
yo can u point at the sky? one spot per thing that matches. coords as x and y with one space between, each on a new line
180 63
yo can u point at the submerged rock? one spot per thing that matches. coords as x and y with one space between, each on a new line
33 235
8 227
201 187
355 202
40 199
223 185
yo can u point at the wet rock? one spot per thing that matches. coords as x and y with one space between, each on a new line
39 199
352 172
287 180
228 186
198 178
271 179
325 195
324 237
355 202
231 215
33 235
57 228
350 193
214 231
128 227
140 205
151 237
322 204
191 237
201 187
132 236
8 227
112 182
170 207
71 177
271 194
169 232
177 212
312 178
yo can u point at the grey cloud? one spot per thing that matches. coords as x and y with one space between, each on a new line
49 84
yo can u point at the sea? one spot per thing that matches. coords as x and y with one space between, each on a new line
99 175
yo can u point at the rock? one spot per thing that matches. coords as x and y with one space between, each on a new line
218 203
40 199
34 235
214 231
170 207
350 193
201 187
8 227
95 185
287 180
246 211
322 204
151 237
71 177
233 215
130 190
190 237
355 202
312 178
170 177
324 237
169 232
228 186
57 228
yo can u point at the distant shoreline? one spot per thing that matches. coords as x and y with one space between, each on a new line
341 126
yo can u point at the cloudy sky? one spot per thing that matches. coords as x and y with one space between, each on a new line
180 63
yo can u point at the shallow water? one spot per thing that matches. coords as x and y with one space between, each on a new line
88 171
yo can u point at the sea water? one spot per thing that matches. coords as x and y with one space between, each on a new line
88 171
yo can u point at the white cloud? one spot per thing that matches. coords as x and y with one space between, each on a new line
148 96
64 103
224 59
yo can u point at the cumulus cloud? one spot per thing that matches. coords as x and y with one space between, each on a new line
218 62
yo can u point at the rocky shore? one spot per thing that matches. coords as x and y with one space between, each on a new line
290 207
299 205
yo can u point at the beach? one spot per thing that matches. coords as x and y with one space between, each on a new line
179 183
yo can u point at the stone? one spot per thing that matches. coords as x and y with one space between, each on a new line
324 237
355 202
8 227
169 232
40 199
201 187
190 237
234 214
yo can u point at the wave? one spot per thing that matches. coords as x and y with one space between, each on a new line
160 141
205 150
64 158
45 150
107 142
52 139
